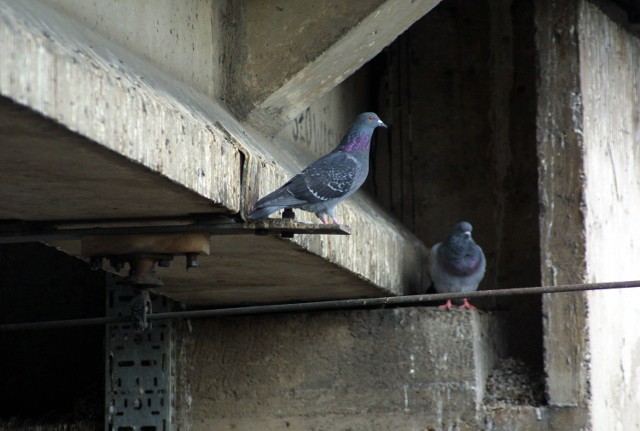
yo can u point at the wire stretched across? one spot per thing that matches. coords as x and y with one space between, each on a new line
340 304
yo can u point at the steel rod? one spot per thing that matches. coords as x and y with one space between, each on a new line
266 226
56 324
340 304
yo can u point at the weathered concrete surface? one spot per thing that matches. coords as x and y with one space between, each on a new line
362 370
304 52
182 38
562 205
588 133
268 60
121 103
50 173
321 126
610 83
256 269
527 418
93 87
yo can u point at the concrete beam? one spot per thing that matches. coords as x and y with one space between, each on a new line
283 56
51 173
63 70
154 146
183 39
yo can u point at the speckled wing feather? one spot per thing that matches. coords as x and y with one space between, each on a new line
331 177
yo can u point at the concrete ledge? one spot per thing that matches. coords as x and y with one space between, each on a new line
153 124
528 418
369 369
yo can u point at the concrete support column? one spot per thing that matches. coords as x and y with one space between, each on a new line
588 134
610 81
562 205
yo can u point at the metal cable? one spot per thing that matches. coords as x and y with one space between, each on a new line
341 304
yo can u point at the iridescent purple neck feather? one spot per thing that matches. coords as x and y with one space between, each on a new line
357 140
358 137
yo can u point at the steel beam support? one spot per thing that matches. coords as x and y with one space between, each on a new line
139 377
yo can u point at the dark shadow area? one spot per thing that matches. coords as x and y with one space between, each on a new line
458 90
50 376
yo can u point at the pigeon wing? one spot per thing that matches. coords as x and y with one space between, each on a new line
281 197
330 177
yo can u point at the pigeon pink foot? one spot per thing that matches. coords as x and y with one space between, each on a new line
447 305
465 304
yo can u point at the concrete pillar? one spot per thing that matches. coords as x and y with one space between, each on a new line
588 142
610 84
562 221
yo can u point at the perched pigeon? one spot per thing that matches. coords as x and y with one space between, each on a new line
329 180
457 264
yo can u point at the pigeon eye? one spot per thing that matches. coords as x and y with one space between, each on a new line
370 118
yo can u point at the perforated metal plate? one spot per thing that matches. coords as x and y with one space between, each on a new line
139 379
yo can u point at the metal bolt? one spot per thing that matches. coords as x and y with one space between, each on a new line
137 404
96 262
116 264
165 263
288 214
192 260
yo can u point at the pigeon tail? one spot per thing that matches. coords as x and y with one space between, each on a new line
263 212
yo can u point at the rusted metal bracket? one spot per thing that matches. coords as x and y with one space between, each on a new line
288 214
142 267
142 277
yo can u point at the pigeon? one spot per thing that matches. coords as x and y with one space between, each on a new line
322 185
457 264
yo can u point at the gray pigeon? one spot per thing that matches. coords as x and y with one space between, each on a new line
457 264
329 180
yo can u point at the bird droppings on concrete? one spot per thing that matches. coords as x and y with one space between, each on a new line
512 382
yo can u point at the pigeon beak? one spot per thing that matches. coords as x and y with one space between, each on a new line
381 124
467 234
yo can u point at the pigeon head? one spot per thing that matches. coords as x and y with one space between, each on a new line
461 229
460 254
369 119
358 137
